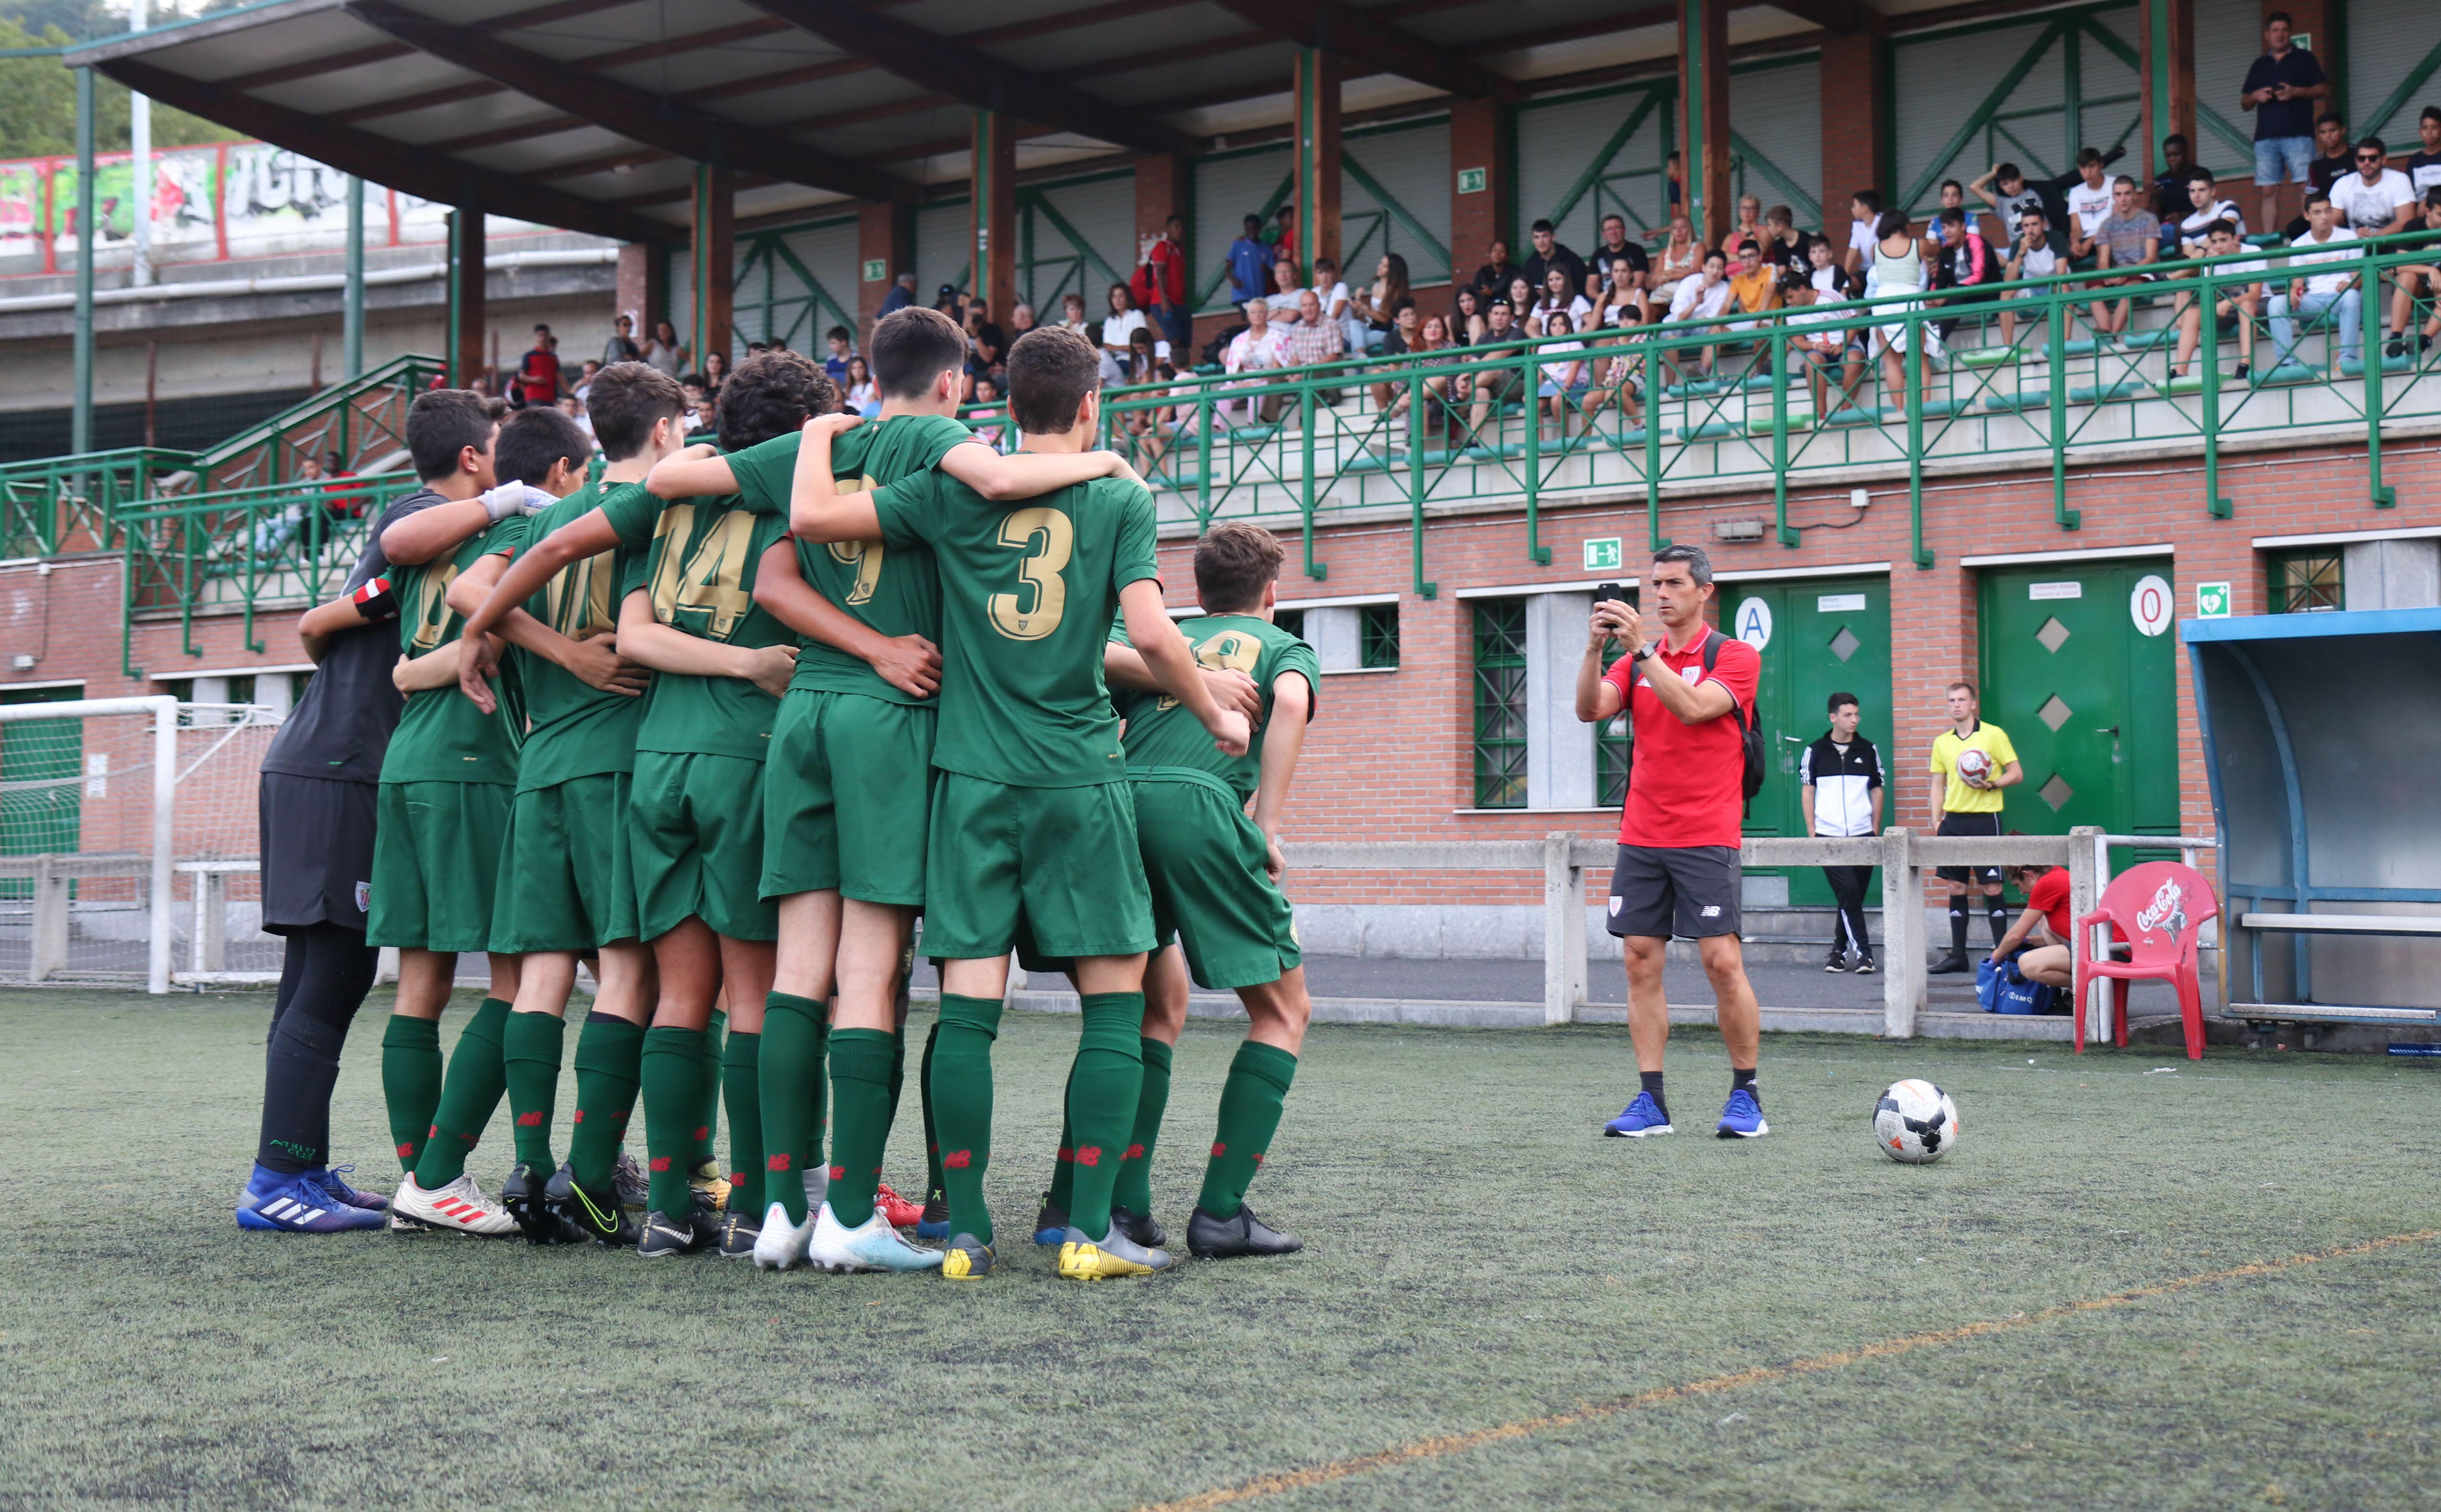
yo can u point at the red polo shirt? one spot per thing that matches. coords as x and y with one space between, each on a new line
1687 786
2050 894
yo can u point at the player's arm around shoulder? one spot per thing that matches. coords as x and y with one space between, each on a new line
1026 474
437 668
699 470
909 663
644 639
1172 665
816 509
317 625
588 536
442 528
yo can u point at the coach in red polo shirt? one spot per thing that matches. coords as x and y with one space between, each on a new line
1686 688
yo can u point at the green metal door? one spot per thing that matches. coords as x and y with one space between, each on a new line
2079 668
1817 637
40 797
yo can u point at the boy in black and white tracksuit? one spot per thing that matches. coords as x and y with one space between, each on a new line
1842 796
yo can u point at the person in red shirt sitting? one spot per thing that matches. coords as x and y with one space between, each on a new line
2046 922
1685 689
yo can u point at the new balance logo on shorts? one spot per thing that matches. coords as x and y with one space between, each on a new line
1711 911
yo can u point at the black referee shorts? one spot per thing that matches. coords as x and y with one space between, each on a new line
1970 825
317 851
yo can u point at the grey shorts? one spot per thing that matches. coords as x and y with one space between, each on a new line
1689 892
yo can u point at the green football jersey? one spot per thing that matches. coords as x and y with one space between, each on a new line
699 556
1027 592
442 737
575 729
1162 733
895 590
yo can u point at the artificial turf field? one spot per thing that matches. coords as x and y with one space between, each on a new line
1495 1307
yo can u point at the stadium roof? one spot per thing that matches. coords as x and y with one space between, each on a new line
590 114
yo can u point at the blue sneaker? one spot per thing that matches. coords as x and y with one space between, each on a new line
1051 1224
1742 1117
330 1178
1640 1118
935 1224
278 1203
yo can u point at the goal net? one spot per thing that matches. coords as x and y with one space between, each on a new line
128 843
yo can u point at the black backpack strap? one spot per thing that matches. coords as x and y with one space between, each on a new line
1713 641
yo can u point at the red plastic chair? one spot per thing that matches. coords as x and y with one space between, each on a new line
2160 910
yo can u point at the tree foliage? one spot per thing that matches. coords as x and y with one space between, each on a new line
37 95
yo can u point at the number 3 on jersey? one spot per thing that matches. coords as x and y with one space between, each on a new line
708 588
1047 537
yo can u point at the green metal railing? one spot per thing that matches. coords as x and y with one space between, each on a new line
63 504
1301 446
241 549
363 419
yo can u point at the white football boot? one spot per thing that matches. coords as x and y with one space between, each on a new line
460 1207
782 1246
873 1245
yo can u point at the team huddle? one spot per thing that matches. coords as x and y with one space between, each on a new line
721 725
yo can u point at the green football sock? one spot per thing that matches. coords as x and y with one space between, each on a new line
410 1069
609 1067
860 1060
469 1094
933 1190
531 1046
898 1073
1134 1190
741 1086
708 1093
1102 1102
792 1062
961 1079
672 1075
1063 1166
1250 1112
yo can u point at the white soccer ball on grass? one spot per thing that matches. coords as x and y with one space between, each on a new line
1915 1123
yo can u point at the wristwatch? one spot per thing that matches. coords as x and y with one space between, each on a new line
1643 653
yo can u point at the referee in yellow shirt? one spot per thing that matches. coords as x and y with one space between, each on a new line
1966 804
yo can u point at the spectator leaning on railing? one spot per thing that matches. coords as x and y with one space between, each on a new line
2315 295
2281 89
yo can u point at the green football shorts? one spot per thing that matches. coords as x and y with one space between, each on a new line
1204 862
436 863
846 796
1061 860
568 882
698 844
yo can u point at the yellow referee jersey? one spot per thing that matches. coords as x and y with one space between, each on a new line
1992 740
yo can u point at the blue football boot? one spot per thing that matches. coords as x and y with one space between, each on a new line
277 1202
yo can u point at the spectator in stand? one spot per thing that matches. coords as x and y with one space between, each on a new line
1901 265
1830 352
1021 320
1831 282
538 380
1254 350
1143 359
2205 206
1864 221
1337 308
2424 165
2088 205
699 408
1072 312
1953 195
1702 298
1315 340
2129 238
1564 381
1160 285
1783 245
1754 288
1523 298
2170 193
1247 260
2335 159
1283 299
1967 261
2375 200
987 408
901 294
989 341
1470 321
2003 187
1123 320
1283 238
1548 252
2313 295
2037 253
2415 279
716 373
2281 89
1491 391
1558 297
663 353
622 346
1492 277
842 344
1443 391
2235 306
1615 245
1378 306
1681 257
863 394
1406 334
1750 227
573 408
1624 301
1619 379
1674 173
584 376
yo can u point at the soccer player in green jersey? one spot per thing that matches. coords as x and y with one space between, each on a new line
695 803
849 786
1031 829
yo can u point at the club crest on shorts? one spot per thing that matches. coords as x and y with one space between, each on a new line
363 897
1614 905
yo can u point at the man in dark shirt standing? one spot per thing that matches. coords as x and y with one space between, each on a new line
2281 89
1549 253
316 805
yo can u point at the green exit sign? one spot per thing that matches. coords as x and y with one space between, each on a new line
877 270
1602 554
1470 180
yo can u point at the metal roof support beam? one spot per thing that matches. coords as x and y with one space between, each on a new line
1316 103
1358 39
630 112
469 322
949 66
991 218
713 266
382 160
1704 103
